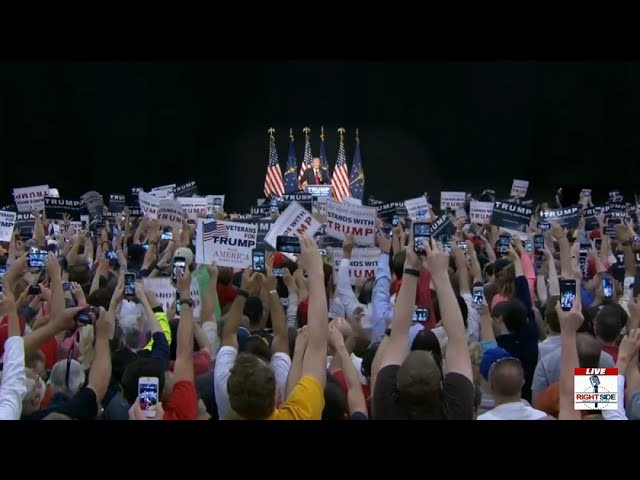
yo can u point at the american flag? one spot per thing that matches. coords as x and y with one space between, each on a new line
340 179
273 184
214 229
307 160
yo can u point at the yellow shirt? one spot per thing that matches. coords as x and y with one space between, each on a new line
166 328
305 402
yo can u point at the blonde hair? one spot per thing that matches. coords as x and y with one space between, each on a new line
85 345
36 389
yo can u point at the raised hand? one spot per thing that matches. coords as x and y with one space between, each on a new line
310 258
251 282
437 260
335 336
572 320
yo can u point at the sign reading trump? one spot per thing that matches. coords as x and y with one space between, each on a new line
350 219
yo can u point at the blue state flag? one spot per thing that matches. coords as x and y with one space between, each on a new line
356 177
290 173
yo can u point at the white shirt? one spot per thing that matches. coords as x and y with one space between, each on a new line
14 381
548 345
513 411
280 365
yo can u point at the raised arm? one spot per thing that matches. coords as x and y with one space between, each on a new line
14 381
397 347
315 358
295 372
100 373
292 304
627 363
462 271
278 320
560 235
343 284
570 322
251 283
381 296
183 368
457 353
476 270
355 396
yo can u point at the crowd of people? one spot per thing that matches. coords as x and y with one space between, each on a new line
457 329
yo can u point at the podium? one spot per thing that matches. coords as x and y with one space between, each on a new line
317 191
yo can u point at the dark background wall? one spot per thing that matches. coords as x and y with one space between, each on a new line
423 126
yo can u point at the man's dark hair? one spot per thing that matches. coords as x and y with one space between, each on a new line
335 401
256 345
609 321
253 309
464 310
252 388
419 383
589 349
513 313
398 263
100 298
79 274
366 292
143 367
550 314
507 377
225 275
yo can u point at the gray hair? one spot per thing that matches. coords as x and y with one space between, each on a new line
58 382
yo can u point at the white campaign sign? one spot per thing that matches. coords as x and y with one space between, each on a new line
149 205
227 244
349 219
170 213
93 201
7 223
165 191
519 188
452 200
165 292
415 205
480 212
295 219
352 201
194 206
362 266
28 199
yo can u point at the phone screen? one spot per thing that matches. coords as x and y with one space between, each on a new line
37 258
420 315
598 243
258 261
607 287
67 286
582 260
407 226
395 221
148 393
288 245
111 255
538 243
528 246
130 284
421 236
166 236
503 244
462 245
567 294
277 272
446 246
478 295
178 262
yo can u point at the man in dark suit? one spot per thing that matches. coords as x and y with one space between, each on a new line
315 175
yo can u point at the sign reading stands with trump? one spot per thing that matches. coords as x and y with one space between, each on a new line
227 244
362 266
350 219
294 220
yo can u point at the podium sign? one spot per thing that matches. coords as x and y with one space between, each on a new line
319 190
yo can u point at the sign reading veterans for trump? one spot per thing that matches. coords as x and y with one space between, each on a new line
349 219
263 226
512 216
149 205
416 206
362 266
28 199
186 189
7 223
294 220
452 200
57 208
480 212
170 213
227 244
567 217
194 207
116 202
519 188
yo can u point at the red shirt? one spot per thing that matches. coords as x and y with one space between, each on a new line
183 403
338 375
611 350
